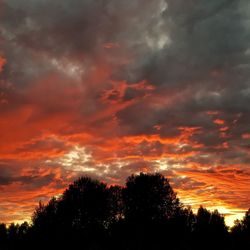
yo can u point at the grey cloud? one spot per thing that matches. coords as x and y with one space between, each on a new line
34 181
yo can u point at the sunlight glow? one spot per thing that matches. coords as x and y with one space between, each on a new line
78 160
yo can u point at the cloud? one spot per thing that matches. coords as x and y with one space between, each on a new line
108 88
2 63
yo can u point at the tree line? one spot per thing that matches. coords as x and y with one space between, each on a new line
144 214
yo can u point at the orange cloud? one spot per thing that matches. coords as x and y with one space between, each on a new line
245 136
219 122
212 112
2 63
218 182
111 45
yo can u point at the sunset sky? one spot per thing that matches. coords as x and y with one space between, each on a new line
108 88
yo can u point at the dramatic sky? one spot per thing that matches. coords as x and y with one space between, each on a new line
109 88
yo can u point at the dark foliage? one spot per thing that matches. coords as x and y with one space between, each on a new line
149 197
144 214
241 232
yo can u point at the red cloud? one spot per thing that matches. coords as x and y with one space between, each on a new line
2 63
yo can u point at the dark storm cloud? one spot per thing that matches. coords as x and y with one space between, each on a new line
208 54
75 30
207 51
204 37
5 180
31 181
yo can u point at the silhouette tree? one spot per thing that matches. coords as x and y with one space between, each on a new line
45 221
217 224
115 203
149 203
210 227
144 214
181 227
3 235
82 212
116 225
246 223
149 197
241 232
85 202
202 221
23 229
13 232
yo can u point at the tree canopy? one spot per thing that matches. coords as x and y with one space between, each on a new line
145 213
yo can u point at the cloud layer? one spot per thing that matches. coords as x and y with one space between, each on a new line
111 88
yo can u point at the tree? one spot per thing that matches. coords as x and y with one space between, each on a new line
210 228
241 232
149 197
217 224
184 221
115 204
140 215
13 232
246 223
149 204
23 229
85 202
242 226
3 234
45 221
202 221
82 212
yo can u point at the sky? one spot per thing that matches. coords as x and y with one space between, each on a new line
110 88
